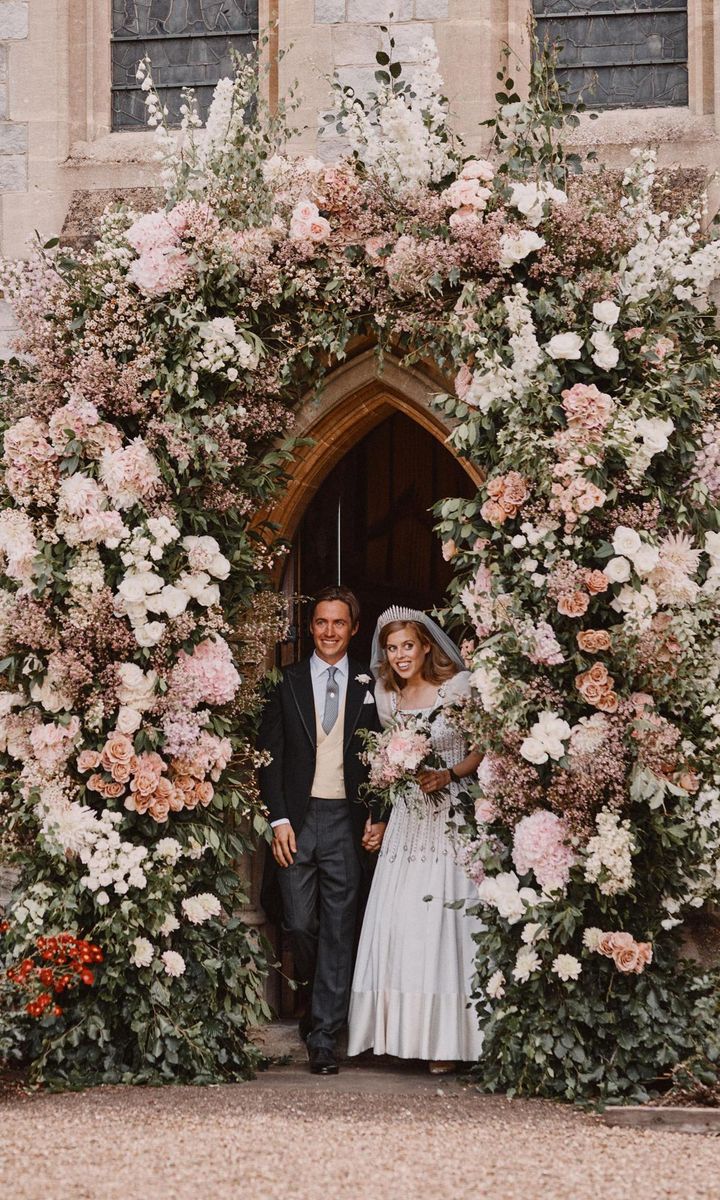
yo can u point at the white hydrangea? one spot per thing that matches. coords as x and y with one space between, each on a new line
609 854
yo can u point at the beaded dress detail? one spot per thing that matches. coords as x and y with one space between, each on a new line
415 962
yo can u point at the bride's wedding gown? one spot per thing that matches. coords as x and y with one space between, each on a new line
411 989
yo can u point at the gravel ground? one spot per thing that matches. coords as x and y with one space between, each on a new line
368 1134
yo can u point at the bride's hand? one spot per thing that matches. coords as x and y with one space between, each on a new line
373 835
434 781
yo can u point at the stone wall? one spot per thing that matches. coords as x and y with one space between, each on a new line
13 133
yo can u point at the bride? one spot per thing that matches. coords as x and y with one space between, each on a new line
411 989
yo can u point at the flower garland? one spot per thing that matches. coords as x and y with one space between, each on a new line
159 372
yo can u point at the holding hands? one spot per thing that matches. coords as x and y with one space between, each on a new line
373 835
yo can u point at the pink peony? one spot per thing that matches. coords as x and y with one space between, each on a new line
540 845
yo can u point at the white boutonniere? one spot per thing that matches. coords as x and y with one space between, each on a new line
362 678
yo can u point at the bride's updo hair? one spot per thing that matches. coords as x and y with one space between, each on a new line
437 666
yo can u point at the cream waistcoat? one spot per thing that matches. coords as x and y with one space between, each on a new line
329 781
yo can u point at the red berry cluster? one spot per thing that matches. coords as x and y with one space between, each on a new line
64 963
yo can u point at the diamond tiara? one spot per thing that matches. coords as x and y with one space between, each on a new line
398 613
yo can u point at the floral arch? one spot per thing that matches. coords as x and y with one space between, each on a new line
141 423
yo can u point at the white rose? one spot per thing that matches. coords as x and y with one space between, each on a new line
626 541
193 584
515 249
554 747
564 346
219 567
606 312
549 724
150 633
528 199
654 432
618 570
132 589
174 600
534 751
128 719
646 559
209 595
606 352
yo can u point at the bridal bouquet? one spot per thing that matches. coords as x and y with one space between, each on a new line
396 757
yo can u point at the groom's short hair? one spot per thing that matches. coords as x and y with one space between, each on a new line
337 593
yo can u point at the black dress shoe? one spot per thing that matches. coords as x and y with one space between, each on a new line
323 1061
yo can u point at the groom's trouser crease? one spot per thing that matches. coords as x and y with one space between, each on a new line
320 896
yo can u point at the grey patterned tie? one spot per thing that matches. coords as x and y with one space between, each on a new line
331 701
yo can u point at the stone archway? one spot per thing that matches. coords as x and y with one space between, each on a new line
357 396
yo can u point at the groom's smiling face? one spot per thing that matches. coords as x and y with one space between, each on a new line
332 629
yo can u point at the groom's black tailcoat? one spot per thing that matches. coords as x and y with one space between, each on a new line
288 732
323 890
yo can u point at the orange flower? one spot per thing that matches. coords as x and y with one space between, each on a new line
608 702
88 760
204 792
117 749
596 582
593 641
572 604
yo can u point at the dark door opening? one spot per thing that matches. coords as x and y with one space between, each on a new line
369 526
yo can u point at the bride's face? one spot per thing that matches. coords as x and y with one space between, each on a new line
406 653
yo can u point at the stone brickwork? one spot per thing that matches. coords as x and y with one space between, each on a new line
13 135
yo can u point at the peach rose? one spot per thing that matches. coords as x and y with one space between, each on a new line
95 783
493 513
599 673
611 942
572 604
144 782
113 791
592 692
120 772
117 749
88 760
592 641
496 487
191 798
596 582
137 803
627 959
159 808
608 702
645 952
176 800
515 490
204 792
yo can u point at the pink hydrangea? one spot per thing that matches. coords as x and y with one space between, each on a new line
207 676
74 419
546 650
129 474
540 845
587 409
159 270
52 744
152 231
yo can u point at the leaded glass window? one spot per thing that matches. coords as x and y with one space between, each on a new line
619 53
189 43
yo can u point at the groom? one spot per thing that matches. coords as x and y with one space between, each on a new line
311 727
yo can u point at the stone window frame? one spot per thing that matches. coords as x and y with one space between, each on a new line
90 66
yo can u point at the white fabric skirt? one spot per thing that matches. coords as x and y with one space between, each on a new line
411 989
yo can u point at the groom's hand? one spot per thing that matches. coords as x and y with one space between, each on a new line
284 845
373 835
